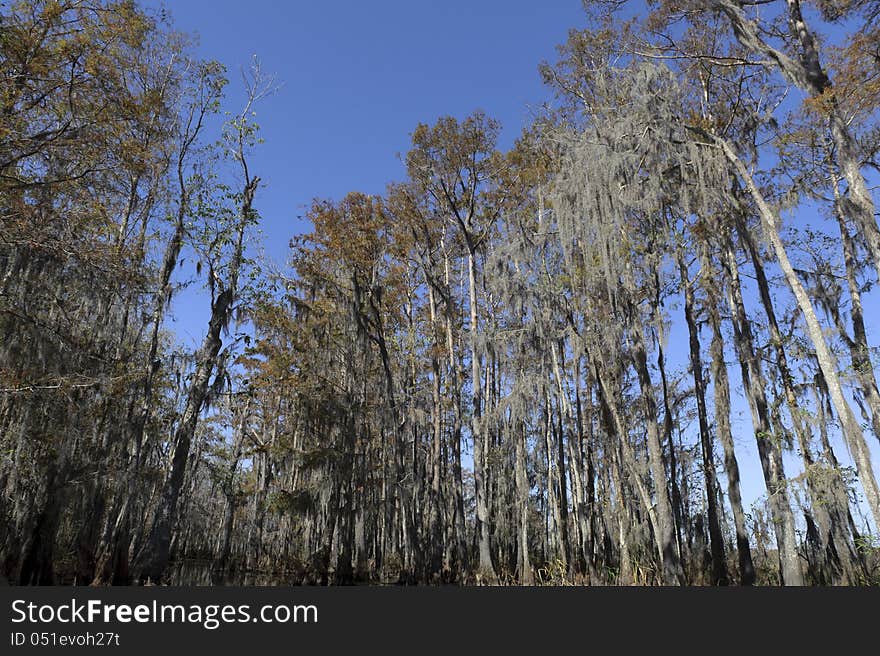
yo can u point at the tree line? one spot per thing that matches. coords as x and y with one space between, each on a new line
516 366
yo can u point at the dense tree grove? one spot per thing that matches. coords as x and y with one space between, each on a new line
513 367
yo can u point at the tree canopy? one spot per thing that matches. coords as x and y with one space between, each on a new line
513 367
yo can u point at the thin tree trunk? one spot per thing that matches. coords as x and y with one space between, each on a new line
436 519
721 387
154 556
827 362
666 538
860 354
455 370
768 444
486 571
716 538
524 566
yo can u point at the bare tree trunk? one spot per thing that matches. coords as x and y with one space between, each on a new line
436 519
663 536
827 362
666 538
818 504
860 354
458 487
577 471
154 555
721 386
675 497
590 494
221 558
768 444
486 570
524 566
716 538
565 416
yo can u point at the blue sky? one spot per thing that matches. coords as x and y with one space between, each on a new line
356 78
359 76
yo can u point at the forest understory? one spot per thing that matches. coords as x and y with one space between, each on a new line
556 364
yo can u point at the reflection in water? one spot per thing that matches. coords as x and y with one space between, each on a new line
199 572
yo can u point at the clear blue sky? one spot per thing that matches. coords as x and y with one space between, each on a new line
357 78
